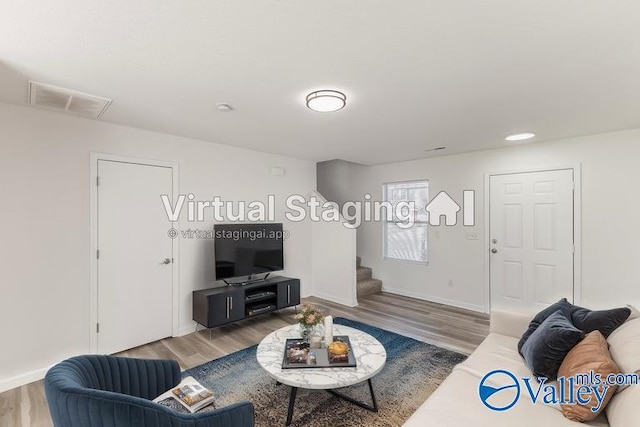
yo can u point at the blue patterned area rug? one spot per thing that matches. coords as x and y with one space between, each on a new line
413 371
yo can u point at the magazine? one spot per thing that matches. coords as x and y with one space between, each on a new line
192 395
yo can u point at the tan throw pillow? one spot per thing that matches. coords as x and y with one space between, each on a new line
591 354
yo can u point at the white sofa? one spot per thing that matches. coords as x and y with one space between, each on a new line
456 402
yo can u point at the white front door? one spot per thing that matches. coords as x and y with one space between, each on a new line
531 238
135 265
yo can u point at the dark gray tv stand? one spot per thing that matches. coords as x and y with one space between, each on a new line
226 304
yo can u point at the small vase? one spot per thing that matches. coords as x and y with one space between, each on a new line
305 331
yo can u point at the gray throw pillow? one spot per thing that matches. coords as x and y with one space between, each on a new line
605 321
548 345
562 305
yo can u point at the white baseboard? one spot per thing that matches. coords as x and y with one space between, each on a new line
439 300
22 379
342 301
186 330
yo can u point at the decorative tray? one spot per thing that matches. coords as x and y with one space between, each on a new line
297 354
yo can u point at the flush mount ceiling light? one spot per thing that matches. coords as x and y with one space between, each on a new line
520 136
326 101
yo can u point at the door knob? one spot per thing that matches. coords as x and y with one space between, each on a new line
494 251
166 261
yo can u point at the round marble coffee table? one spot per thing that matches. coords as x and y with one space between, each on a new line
370 358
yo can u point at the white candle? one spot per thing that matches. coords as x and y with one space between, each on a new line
315 341
328 330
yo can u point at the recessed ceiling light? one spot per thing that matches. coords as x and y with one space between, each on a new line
435 149
326 101
224 107
520 136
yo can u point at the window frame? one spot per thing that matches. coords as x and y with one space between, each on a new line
386 223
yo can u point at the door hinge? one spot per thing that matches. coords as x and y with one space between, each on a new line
97 181
98 328
97 253
572 186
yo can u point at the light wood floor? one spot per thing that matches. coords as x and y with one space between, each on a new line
445 326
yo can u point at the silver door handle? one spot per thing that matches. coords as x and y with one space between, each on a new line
227 307
288 294
494 251
166 261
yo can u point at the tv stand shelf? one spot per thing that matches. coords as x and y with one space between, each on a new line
251 298
226 304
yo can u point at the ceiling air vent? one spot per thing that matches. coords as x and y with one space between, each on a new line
435 149
69 101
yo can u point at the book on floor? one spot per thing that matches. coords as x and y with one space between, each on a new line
190 394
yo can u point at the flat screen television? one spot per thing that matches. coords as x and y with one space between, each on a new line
248 249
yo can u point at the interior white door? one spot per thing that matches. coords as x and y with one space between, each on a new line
531 238
135 262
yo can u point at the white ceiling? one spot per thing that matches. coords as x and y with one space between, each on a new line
417 73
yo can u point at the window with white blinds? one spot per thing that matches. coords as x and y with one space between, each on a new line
401 241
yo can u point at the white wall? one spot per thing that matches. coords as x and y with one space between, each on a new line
335 177
45 256
334 260
335 272
610 219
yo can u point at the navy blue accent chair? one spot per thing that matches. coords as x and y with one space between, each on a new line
110 391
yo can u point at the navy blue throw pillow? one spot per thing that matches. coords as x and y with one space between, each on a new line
605 321
563 305
548 345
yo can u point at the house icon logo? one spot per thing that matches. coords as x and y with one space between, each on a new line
444 205
502 397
